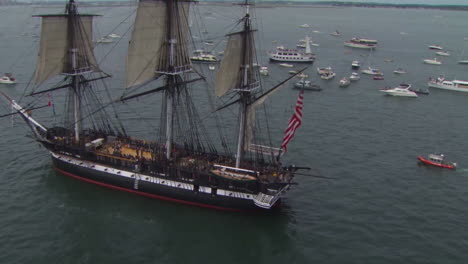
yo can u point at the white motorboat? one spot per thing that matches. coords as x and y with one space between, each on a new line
324 70
305 26
463 62
443 53
291 55
354 77
401 90
435 47
264 71
105 40
211 67
327 76
454 85
434 61
7 79
307 85
203 56
344 82
336 33
355 65
399 71
372 71
113 35
286 65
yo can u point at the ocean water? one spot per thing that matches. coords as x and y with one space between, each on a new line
378 206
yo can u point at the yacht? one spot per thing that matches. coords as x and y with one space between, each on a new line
371 71
401 90
434 61
203 56
354 77
7 79
454 85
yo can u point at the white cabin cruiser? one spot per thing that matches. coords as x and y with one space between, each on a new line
7 79
434 61
454 85
402 90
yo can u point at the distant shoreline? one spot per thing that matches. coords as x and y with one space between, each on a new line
265 4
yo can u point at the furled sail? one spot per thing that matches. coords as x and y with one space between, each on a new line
229 75
148 48
57 41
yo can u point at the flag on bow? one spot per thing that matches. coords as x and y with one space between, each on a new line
294 122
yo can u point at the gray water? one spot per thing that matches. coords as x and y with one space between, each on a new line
380 206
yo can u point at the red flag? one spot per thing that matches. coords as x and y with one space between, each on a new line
294 122
49 103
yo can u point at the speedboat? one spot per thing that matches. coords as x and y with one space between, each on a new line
371 71
437 160
399 71
402 90
443 53
436 47
307 85
434 61
354 77
7 79
355 65
344 82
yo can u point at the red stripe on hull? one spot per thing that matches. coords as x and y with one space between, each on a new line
435 164
148 194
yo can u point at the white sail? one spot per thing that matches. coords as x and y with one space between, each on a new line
229 75
148 47
55 45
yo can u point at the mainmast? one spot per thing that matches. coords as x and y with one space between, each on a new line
248 83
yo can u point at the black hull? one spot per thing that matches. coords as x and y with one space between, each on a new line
154 190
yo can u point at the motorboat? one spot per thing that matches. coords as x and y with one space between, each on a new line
292 55
324 70
420 91
7 79
378 77
113 35
454 85
344 82
203 57
105 40
354 77
437 160
371 71
355 65
292 72
336 33
434 61
264 71
302 75
402 90
443 53
327 75
305 26
463 62
286 65
435 47
307 85
211 67
399 71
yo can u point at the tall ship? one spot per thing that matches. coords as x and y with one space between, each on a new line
454 85
183 164
293 55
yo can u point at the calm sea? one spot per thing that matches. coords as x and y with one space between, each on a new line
379 206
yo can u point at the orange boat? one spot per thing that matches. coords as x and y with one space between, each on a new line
437 160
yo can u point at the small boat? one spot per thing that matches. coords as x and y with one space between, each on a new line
435 47
336 33
327 75
307 85
264 70
113 35
105 40
324 70
7 79
443 53
402 90
437 160
388 60
355 65
302 75
354 77
203 56
292 72
399 71
211 67
371 71
344 82
305 26
286 65
463 62
420 91
434 61
378 77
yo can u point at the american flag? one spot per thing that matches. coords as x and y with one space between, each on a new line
294 122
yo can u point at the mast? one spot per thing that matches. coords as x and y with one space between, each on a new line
245 89
169 80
